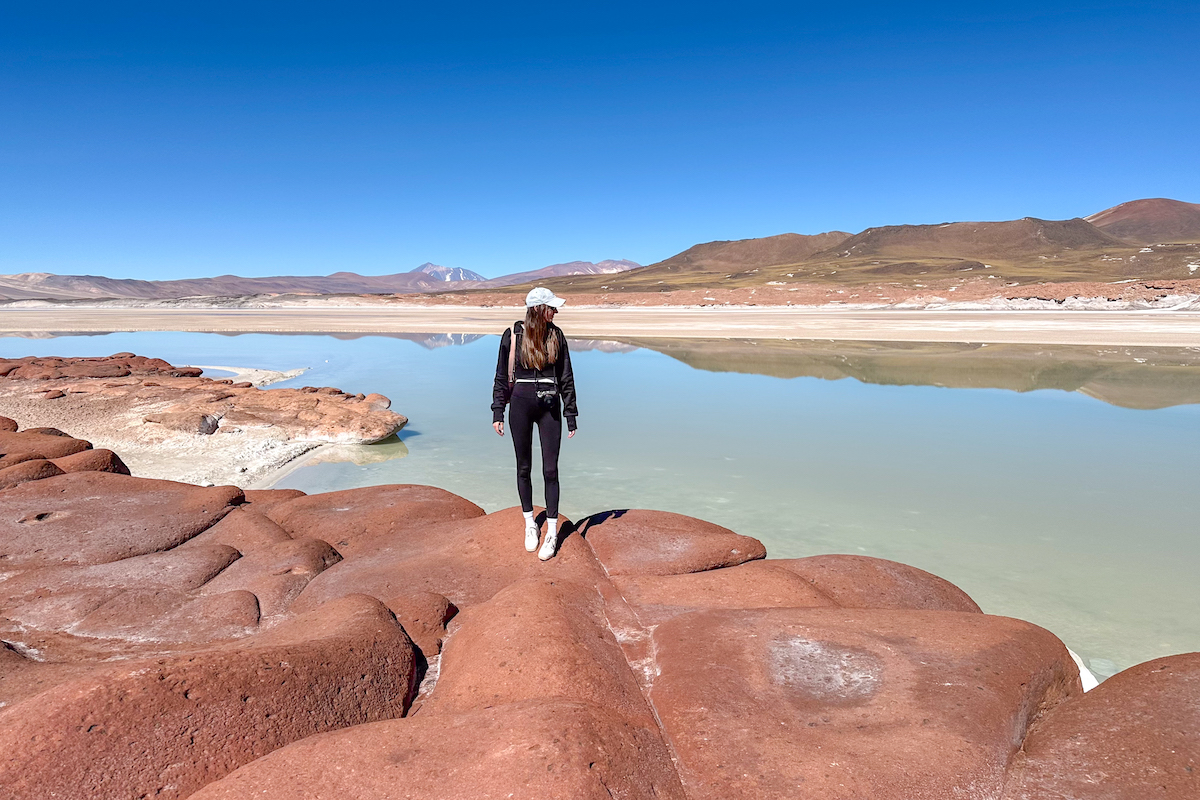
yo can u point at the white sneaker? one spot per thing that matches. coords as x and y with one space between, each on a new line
548 546
532 534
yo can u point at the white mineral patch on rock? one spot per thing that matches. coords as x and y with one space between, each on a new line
822 670
258 377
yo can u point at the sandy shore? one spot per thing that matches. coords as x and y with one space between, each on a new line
1118 328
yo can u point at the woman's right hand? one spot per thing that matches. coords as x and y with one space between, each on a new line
499 426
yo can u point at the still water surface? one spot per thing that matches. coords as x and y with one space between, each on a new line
1073 507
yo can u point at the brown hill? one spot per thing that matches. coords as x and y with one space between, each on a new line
740 254
1151 221
710 263
1018 238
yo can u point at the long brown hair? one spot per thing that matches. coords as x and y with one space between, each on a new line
539 343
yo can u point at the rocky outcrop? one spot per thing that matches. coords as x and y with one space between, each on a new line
167 640
635 542
1137 735
164 727
852 703
171 422
178 399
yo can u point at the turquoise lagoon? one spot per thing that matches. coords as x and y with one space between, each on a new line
1053 485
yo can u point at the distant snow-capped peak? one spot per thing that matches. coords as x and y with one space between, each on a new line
449 273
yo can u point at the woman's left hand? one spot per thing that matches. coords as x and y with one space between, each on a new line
570 434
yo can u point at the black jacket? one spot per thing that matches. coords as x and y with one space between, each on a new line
560 369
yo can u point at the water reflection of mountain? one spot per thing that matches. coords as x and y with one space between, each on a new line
602 345
1131 377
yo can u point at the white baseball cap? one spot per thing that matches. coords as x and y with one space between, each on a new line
541 296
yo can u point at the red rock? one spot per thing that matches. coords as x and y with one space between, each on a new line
57 598
165 615
182 569
45 446
92 461
32 470
263 500
54 394
424 616
537 639
1137 735
756 584
359 519
865 582
180 400
243 529
8 425
276 573
835 703
377 401
165 727
10 459
47 432
660 543
528 751
94 371
467 561
95 517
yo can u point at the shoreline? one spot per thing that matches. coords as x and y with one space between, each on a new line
1175 328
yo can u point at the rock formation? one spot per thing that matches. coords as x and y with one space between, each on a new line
170 422
173 641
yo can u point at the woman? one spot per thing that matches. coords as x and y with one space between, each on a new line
534 377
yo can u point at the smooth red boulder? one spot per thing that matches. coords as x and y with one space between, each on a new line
537 639
851 703
32 470
640 542
755 584
8 425
42 444
1137 735
10 459
48 432
357 519
92 461
165 727
424 616
263 500
467 561
865 582
276 573
244 529
535 750
173 617
96 517
180 570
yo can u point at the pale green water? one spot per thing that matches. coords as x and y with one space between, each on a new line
1051 506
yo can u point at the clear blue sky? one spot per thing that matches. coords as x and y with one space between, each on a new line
164 140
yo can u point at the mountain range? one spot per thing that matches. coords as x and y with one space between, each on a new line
1143 239
428 277
1151 239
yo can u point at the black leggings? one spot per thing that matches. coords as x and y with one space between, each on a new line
523 412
